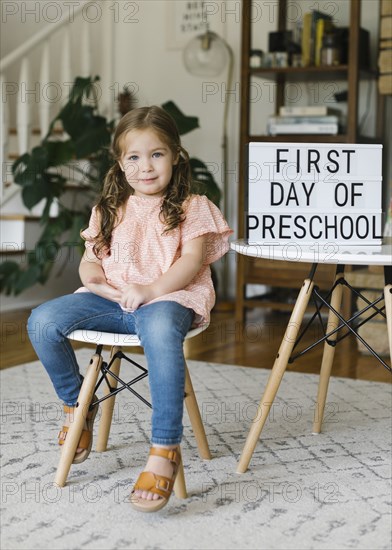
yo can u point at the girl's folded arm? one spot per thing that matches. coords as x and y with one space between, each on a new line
93 278
181 273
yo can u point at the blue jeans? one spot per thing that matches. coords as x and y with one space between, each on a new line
161 328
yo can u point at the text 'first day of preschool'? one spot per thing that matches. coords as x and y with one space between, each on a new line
314 193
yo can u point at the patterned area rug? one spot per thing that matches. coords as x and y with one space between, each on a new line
330 491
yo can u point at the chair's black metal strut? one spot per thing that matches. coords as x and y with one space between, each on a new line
106 373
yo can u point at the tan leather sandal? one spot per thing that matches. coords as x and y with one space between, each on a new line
86 439
157 484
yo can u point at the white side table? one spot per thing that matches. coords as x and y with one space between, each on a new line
318 254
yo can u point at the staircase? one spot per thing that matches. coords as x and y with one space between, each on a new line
35 80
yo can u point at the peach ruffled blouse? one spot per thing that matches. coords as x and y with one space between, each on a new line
140 252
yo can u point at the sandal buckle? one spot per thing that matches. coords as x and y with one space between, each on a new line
163 484
62 435
172 455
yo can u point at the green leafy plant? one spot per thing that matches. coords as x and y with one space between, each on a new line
85 135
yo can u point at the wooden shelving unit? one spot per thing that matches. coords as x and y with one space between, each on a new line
288 275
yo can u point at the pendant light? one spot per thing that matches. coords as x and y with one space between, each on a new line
206 55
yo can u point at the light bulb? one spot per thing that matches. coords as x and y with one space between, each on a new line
206 55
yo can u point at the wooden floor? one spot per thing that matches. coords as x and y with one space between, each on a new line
254 344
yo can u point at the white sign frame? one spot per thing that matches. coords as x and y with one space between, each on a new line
314 192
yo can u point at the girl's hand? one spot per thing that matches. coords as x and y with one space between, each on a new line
99 285
133 296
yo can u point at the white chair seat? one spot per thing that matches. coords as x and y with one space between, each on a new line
115 339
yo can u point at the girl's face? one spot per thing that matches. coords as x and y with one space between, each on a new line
147 163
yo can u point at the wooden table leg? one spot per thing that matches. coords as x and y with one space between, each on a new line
107 405
328 356
388 311
276 375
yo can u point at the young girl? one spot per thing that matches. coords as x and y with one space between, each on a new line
145 271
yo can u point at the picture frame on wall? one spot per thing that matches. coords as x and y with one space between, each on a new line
187 19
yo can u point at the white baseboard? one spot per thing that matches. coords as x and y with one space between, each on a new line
23 304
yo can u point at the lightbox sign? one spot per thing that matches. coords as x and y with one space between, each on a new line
314 192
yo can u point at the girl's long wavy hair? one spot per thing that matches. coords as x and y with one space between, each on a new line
116 190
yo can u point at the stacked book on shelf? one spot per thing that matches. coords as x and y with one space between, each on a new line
313 119
323 43
314 27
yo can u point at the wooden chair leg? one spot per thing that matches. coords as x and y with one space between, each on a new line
276 375
107 406
76 427
328 356
195 418
179 485
388 311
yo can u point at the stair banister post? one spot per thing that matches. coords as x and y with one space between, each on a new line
23 109
110 89
85 47
44 100
4 126
65 68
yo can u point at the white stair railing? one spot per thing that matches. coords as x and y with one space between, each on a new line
65 68
44 106
19 110
23 112
4 136
86 50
